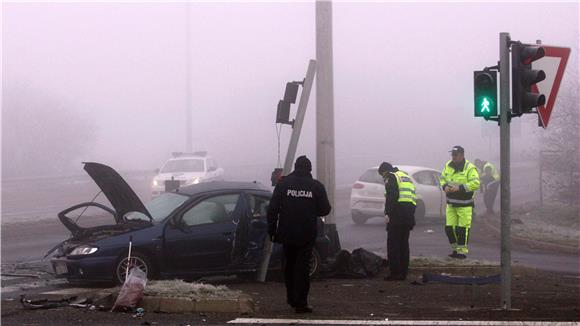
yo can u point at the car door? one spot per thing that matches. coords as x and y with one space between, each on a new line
258 227
200 238
429 192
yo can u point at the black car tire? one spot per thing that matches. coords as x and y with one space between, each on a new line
138 259
315 262
420 211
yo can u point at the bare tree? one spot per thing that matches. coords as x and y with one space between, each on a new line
560 144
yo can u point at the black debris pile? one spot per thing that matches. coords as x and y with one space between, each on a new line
360 263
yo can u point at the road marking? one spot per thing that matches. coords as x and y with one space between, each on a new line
396 322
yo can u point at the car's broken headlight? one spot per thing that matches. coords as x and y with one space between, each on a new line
83 250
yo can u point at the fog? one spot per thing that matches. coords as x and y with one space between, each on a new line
113 76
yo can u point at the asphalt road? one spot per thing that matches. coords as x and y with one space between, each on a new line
30 227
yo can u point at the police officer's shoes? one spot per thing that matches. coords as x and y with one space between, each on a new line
303 310
457 256
453 254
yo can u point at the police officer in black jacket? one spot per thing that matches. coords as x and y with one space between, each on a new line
400 203
297 202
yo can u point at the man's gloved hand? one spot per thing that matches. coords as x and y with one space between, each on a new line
453 188
387 219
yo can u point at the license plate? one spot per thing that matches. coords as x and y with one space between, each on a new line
60 268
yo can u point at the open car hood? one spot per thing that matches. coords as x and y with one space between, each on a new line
116 189
119 194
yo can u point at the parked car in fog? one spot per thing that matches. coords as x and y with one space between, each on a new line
367 198
214 228
187 169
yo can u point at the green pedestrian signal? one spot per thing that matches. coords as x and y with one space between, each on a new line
485 93
484 106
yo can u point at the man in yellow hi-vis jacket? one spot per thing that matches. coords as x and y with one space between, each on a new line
400 203
459 180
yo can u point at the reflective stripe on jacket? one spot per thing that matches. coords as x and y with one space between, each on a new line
467 179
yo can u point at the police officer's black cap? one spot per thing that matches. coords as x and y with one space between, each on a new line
385 167
303 164
457 149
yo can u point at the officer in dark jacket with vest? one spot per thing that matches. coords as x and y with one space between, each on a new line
400 203
297 202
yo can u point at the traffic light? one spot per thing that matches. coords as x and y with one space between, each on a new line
283 112
485 93
523 77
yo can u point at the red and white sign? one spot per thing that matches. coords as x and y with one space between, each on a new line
553 64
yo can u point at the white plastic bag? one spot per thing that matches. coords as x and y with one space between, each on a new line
132 290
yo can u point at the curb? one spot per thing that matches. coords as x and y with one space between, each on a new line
243 304
532 243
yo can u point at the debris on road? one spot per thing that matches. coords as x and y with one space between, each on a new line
20 275
360 264
44 303
132 290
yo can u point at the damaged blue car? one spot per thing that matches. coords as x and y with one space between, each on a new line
214 228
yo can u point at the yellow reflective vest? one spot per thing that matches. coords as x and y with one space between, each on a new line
406 188
467 179
494 173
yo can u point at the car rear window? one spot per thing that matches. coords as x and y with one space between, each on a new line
371 176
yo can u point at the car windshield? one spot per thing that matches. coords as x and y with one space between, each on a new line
160 207
189 165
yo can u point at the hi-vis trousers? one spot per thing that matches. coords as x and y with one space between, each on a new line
457 224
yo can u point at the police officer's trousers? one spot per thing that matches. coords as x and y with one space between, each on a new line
398 249
297 273
490 194
457 224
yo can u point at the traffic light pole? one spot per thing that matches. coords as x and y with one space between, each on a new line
504 135
292 146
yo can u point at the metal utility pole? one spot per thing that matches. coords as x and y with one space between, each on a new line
296 128
325 167
188 113
504 134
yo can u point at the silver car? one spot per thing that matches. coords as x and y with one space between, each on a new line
367 197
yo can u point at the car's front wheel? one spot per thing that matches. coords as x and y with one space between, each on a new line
137 260
315 262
